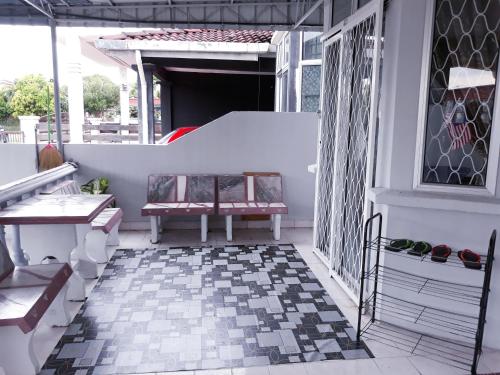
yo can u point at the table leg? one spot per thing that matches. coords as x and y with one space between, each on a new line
57 240
85 266
18 255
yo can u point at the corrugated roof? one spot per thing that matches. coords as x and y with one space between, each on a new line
196 35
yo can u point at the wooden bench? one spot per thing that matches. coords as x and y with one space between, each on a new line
29 296
170 195
249 195
104 226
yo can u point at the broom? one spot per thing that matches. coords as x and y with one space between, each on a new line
50 156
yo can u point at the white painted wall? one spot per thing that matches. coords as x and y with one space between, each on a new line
237 142
16 161
458 225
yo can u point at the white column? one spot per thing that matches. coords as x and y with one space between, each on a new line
124 98
75 88
28 124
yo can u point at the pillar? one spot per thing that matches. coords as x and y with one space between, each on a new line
149 92
124 97
57 98
139 104
166 107
75 88
293 64
28 124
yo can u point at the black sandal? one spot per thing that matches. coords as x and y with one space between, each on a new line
399 244
470 259
440 253
420 248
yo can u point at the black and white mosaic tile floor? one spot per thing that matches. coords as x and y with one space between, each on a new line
204 308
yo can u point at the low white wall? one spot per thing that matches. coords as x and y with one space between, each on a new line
16 161
237 142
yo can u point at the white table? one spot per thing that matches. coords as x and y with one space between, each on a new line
56 225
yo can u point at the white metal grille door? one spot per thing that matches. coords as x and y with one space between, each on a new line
351 151
345 156
327 151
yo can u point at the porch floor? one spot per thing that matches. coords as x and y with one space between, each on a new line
388 360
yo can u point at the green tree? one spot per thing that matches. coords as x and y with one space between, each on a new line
6 93
33 95
99 94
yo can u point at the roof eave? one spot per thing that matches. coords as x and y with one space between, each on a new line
184 46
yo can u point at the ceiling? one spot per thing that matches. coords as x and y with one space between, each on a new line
224 14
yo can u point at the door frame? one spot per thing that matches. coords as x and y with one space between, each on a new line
335 33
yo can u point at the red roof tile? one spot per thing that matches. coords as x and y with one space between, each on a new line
197 35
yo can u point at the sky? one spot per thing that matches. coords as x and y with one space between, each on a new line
27 50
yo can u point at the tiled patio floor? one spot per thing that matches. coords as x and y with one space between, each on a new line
186 308
387 359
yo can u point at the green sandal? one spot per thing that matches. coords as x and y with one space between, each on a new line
420 248
399 244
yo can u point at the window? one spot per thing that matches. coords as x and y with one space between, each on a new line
311 46
310 88
461 92
283 82
341 9
362 2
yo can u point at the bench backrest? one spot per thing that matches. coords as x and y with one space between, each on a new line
240 188
6 264
65 187
176 189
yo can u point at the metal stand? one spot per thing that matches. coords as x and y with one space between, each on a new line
438 332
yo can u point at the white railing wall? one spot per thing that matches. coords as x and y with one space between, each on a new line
234 143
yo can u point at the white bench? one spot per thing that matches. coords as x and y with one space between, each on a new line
104 226
179 195
250 195
29 296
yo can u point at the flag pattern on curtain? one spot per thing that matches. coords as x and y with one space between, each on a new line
457 126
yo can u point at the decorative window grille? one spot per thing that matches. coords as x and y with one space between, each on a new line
310 88
464 66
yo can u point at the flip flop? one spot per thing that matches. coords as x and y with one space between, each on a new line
440 253
420 248
399 244
470 259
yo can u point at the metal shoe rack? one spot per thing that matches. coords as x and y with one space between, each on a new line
436 332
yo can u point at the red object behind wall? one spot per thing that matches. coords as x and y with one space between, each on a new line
176 134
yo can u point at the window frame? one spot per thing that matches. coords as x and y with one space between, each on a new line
489 189
301 44
282 67
298 85
298 72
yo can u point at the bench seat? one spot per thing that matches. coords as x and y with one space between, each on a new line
178 209
28 291
252 208
29 295
107 219
251 195
104 232
179 195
